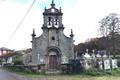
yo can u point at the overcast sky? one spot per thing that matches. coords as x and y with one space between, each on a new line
80 15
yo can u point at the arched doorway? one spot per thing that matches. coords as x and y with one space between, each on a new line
53 59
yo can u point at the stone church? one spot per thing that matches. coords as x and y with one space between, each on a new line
52 48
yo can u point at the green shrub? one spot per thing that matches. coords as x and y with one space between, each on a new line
18 63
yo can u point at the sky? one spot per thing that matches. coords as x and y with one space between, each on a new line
82 16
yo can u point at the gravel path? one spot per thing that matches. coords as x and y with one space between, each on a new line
5 75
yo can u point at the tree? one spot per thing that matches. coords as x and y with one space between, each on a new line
109 28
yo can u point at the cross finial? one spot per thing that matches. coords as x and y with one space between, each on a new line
45 8
60 9
71 33
52 1
53 4
33 34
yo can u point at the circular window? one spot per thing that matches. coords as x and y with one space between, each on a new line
52 10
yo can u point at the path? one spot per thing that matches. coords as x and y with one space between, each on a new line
5 75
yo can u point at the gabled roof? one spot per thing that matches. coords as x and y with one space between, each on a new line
7 55
3 48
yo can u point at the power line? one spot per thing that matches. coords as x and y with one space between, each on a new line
21 21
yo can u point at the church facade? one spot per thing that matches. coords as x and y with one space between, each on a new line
52 48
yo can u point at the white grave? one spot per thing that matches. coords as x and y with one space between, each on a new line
107 64
114 63
98 55
87 55
100 65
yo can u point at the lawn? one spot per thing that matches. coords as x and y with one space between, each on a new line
114 75
90 75
75 77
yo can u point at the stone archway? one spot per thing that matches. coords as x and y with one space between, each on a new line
53 58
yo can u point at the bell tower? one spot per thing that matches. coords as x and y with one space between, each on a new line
52 18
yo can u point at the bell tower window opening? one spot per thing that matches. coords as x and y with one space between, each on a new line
49 22
56 21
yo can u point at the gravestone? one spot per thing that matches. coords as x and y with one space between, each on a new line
114 63
106 64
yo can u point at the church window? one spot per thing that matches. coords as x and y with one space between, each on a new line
49 20
53 38
56 21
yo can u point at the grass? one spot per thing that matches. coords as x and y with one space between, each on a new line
88 75
73 77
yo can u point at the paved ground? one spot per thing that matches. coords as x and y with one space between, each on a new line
5 75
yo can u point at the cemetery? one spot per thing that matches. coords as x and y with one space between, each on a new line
98 61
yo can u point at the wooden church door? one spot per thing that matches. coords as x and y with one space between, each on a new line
53 62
